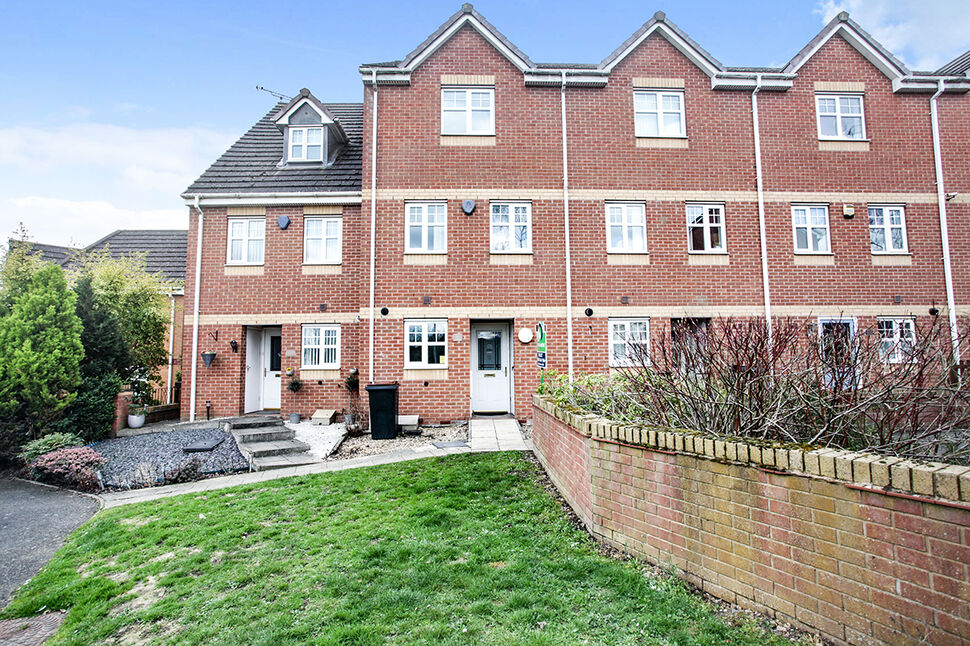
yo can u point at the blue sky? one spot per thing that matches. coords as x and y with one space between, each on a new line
110 109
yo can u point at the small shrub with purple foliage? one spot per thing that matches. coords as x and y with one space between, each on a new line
70 467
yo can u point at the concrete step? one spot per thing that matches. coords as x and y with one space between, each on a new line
254 422
283 461
264 434
280 447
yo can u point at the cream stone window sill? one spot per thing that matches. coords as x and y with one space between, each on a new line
627 259
243 270
425 259
662 142
892 260
319 270
708 259
425 374
844 145
467 140
320 374
815 260
510 259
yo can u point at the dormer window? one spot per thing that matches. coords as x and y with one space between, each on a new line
306 144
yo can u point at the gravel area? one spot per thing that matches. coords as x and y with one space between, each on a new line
356 447
147 460
322 439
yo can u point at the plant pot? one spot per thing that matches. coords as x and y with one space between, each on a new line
208 358
136 421
294 418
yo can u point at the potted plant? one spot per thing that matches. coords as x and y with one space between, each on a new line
294 386
208 356
136 414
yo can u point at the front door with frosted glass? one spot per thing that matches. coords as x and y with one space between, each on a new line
272 368
491 372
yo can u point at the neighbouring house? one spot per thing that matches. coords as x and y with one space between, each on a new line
422 235
164 254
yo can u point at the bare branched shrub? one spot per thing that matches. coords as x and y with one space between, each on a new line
807 384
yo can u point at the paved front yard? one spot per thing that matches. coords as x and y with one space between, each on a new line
465 549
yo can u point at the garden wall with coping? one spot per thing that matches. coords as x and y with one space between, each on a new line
861 548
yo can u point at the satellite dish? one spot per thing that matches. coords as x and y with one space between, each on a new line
283 221
468 206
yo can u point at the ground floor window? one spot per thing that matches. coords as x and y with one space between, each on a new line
629 341
897 339
425 344
321 346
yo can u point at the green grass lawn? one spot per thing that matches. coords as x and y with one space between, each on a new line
467 549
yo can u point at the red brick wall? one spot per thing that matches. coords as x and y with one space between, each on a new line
857 564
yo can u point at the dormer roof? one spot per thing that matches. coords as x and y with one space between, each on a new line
306 98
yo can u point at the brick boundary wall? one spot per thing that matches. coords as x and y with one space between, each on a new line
860 548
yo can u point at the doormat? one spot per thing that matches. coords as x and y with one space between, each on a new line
203 446
452 444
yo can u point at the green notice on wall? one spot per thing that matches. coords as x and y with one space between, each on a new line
541 345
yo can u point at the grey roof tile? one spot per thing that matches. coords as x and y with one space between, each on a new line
959 65
251 164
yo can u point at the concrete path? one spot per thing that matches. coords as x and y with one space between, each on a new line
489 435
34 521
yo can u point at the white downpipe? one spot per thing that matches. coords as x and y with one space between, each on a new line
373 229
761 208
195 308
171 347
565 211
944 229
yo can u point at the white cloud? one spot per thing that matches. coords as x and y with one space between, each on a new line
923 34
79 223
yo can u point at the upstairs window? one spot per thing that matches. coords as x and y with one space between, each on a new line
705 228
626 228
306 144
425 344
321 346
321 241
629 341
897 339
840 116
426 227
511 230
659 113
887 229
810 227
245 241
468 111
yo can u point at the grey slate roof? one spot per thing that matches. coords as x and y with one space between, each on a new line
251 164
959 65
164 250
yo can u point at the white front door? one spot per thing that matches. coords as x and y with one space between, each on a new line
491 369
272 369
254 369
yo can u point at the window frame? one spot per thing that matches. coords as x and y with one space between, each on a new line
809 226
305 130
321 365
887 229
424 228
511 225
839 116
625 225
245 239
424 344
323 239
896 357
627 361
660 112
707 227
468 109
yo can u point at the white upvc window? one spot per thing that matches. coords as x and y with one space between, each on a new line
245 241
467 111
426 343
897 339
705 228
659 113
629 341
840 116
626 227
887 229
321 241
321 347
511 227
306 144
426 228
810 229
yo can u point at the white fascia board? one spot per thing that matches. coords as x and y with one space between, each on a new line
468 19
285 119
682 46
553 77
271 199
861 45
749 81
929 84
386 77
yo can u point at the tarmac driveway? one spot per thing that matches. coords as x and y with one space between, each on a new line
34 521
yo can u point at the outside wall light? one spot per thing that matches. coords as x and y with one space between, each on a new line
588 311
234 345
384 311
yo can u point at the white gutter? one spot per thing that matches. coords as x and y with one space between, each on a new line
565 211
195 309
761 208
270 199
373 229
944 229
171 347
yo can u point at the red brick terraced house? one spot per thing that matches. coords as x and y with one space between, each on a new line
421 236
